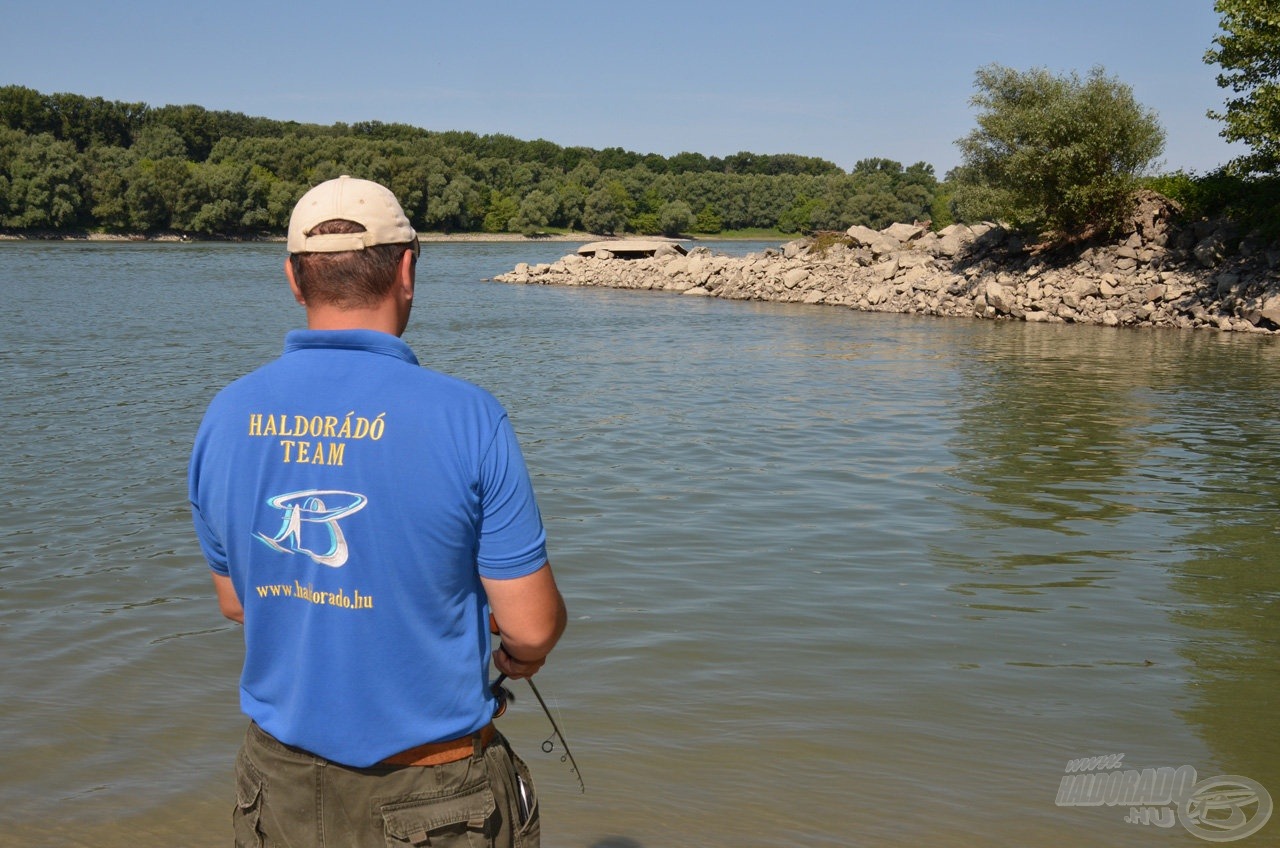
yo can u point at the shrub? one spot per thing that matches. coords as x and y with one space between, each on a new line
1054 154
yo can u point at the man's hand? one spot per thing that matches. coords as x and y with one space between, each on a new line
514 668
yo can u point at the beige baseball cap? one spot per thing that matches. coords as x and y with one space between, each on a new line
367 203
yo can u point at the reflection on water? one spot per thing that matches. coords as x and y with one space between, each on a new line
834 578
1228 576
1170 444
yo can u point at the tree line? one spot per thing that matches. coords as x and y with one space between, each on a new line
70 162
1058 156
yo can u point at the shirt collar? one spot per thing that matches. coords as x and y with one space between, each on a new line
370 341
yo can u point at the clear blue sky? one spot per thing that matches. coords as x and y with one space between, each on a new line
840 80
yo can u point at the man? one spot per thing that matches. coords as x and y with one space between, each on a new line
363 517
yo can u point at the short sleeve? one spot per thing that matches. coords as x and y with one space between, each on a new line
209 543
212 546
512 542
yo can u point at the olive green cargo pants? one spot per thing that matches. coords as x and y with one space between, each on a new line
288 798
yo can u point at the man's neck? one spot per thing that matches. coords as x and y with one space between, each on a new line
382 319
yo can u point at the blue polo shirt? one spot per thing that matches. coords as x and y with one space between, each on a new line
355 499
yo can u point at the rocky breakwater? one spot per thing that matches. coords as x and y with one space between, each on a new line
1201 275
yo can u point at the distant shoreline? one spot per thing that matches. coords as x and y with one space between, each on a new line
185 239
178 238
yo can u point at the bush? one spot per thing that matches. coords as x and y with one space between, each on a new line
1252 201
1057 155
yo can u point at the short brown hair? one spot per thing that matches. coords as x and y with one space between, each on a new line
352 278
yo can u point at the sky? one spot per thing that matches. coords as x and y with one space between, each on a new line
843 81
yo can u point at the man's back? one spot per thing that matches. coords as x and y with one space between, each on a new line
355 493
365 520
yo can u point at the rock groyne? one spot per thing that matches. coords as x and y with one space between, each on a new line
1197 276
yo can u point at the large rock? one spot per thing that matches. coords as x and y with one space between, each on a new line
869 238
795 248
1210 250
952 240
913 259
1270 310
923 279
795 277
904 232
863 236
1085 288
999 298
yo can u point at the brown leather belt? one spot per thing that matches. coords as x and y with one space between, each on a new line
439 753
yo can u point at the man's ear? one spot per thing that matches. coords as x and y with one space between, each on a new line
405 273
293 283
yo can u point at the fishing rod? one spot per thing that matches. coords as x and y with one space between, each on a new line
504 695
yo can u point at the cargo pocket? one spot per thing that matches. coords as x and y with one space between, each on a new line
529 826
464 820
251 792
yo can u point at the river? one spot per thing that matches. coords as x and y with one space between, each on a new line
834 578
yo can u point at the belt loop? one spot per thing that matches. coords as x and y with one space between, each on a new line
477 745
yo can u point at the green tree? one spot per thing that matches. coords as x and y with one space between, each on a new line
502 208
606 209
571 197
535 212
44 184
876 210
1056 154
106 181
233 198
11 143
798 218
455 206
161 195
1248 51
158 141
26 109
644 216
708 220
675 218
280 200
940 207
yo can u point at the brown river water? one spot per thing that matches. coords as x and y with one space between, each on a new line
834 578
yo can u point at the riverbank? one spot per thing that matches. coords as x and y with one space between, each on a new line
54 235
184 238
1160 274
